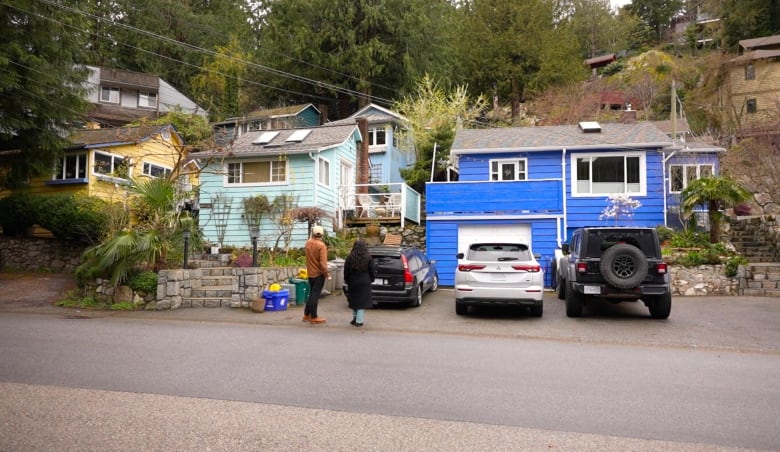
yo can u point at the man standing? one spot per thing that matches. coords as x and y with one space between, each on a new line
317 269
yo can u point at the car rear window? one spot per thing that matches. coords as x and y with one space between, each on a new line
598 241
387 264
499 252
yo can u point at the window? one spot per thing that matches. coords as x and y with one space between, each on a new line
112 165
108 94
750 72
607 174
323 172
751 105
515 169
264 172
681 175
71 167
152 170
147 100
377 137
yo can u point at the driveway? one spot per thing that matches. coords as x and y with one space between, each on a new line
721 323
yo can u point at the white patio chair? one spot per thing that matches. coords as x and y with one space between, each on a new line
394 204
367 205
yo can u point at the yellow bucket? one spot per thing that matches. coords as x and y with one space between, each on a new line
303 273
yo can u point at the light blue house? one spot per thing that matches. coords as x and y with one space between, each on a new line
308 165
540 183
386 158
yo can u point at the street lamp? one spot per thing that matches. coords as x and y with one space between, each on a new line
186 235
253 233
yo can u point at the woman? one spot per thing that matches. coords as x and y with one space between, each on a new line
358 275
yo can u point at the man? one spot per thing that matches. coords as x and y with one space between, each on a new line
317 269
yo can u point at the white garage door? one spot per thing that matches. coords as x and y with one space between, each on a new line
511 233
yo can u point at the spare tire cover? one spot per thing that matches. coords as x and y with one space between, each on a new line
623 266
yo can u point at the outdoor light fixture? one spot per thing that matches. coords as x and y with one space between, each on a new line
186 235
253 234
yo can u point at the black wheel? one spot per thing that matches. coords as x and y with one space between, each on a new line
435 284
560 287
461 308
660 306
417 302
537 310
623 266
574 302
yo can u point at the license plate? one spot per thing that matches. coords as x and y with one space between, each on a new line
380 282
592 290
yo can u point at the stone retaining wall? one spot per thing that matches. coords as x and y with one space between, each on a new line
40 255
702 280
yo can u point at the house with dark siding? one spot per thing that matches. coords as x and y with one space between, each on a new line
538 184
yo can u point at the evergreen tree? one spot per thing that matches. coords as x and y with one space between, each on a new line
42 85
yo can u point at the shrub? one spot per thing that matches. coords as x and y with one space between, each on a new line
733 263
67 216
145 282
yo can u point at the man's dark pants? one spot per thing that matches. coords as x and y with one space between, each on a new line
316 285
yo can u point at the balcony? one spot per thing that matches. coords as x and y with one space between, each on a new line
386 204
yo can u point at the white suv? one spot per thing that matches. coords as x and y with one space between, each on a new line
505 274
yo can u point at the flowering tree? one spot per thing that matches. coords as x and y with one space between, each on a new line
619 207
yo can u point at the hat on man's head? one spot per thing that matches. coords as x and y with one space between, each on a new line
317 231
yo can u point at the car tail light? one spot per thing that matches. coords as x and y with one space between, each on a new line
661 268
469 267
528 268
582 267
408 278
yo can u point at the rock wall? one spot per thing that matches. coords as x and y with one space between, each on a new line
40 255
702 280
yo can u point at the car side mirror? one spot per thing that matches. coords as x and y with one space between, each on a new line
537 256
565 248
459 255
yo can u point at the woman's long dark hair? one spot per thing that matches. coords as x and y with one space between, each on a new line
358 259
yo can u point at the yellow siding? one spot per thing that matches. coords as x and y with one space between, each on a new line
764 88
156 151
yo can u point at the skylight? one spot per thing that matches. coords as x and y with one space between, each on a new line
265 137
299 135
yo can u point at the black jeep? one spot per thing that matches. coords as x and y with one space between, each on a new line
615 264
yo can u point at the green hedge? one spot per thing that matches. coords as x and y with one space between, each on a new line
67 216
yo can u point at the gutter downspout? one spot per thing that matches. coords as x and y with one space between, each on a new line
313 158
665 182
563 191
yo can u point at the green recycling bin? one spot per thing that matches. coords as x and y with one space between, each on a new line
301 290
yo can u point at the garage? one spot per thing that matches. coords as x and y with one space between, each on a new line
511 233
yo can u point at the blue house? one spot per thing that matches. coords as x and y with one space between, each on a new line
289 117
386 158
306 165
540 183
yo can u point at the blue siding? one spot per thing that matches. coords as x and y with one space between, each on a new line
541 165
301 183
496 198
309 117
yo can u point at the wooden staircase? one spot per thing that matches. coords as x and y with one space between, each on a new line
758 241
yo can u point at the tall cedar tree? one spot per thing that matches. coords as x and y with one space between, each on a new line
41 85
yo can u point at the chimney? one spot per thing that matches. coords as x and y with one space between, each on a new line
628 116
362 157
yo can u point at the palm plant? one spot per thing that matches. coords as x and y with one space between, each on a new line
157 230
716 193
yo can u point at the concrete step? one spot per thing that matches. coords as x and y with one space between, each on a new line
210 302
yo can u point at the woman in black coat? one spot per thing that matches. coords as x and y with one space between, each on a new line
358 275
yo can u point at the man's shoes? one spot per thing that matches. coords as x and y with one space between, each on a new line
306 318
356 324
317 320
353 322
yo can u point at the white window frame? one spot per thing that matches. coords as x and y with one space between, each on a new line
518 174
578 192
690 172
323 172
78 160
116 160
147 99
149 170
114 95
277 173
373 134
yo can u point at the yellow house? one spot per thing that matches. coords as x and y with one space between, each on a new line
102 162
752 86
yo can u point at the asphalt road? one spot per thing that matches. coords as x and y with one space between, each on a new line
415 378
